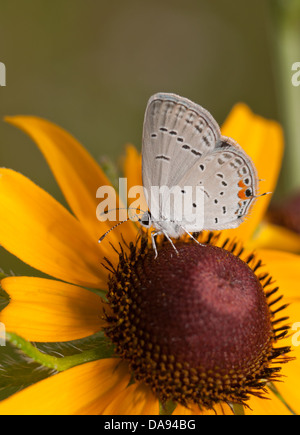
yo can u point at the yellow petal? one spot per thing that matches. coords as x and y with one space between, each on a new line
44 310
274 237
284 267
219 409
133 173
82 390
289 387
135 400
133 167
77 173
269 406
263 142
38 230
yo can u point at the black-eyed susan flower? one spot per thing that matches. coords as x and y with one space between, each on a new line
199 333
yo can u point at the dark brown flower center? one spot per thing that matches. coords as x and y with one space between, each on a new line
196 327
209 311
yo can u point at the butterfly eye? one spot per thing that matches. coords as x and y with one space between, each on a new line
145 220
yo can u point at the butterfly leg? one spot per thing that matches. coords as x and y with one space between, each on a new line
153 235
192 237
158 233
166 235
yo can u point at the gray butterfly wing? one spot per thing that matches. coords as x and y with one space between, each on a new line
176 134
229 181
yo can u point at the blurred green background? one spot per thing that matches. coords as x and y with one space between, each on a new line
91 65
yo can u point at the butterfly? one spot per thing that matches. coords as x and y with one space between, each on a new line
194 178
183 146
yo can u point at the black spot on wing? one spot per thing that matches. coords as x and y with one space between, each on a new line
196 153
233 165
206 141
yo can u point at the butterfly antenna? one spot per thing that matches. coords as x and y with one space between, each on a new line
111 229
263 194
123 208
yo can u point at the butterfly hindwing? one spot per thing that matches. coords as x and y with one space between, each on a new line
229 181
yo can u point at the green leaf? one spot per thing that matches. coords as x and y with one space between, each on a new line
237 409
167 408
4 299
23 363
103 349
110 170
18 372
280 397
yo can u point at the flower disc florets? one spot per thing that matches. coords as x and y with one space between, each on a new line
196 327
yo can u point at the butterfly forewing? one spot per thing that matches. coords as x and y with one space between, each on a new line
176 134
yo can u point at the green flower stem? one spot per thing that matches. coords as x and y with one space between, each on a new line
167 408
57 364
286 43
111 171
276 392
238 409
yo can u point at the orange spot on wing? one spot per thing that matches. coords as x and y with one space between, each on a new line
242 194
